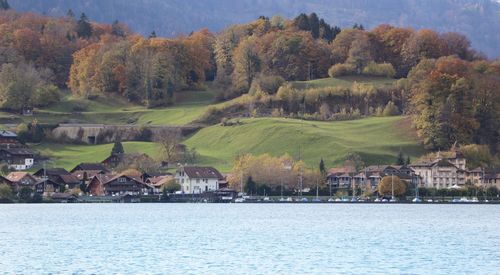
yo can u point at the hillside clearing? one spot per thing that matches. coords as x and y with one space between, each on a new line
69 155
344 81
377 140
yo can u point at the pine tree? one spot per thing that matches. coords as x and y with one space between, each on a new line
322 168
302 22
83 27
152 35
70 14
314 25
407 160
117 148
4 5
116 29
400 160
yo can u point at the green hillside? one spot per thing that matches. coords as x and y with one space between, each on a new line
69 155
189 105
343 81
377 140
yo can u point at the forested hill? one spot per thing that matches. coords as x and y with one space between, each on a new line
478 19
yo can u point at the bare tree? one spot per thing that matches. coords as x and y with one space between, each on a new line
169 140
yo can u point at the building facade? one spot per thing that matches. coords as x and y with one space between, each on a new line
17 158
197 179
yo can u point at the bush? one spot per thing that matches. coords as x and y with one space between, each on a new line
269 84
46 95
171 186
391 109
379 69
144 134
341 70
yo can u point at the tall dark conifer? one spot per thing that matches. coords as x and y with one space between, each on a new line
83 27
4 5
314 25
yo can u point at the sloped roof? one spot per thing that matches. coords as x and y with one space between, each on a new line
477 170
52 172
341 170
79 174
444 163
18 151
89 167
202 172
17 176
159 181
5 133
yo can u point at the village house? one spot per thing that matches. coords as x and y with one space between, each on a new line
8 139
17 158
47 187
345 177
197 179
85 171
158 182
492 179
18 180
112 161
341 177
118 185
60 176
475 176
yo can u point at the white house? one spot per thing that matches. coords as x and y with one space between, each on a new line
17 158
196 179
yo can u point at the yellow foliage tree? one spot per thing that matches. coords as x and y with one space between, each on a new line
385 186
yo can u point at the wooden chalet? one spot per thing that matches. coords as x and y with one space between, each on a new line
118 185
60 176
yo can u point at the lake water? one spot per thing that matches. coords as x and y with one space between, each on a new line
249 238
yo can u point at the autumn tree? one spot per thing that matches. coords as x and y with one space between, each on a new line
390 183
247 64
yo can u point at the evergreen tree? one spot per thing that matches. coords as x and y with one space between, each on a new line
314 25
302 22
407 160
83 27
250 186
70 14
117 148
400 159
152 35
116 29
4 5
322 168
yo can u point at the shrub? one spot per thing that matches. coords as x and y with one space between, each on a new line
391 109
379 69
269 84
341 70
46 95
171 186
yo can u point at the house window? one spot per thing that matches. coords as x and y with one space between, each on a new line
122 179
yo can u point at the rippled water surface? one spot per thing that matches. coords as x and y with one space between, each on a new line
249 238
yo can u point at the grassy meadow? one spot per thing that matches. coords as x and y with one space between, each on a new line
69 155
343 81
376 139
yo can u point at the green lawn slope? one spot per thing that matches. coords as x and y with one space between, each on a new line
69 155
189 105
344 81
377 140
